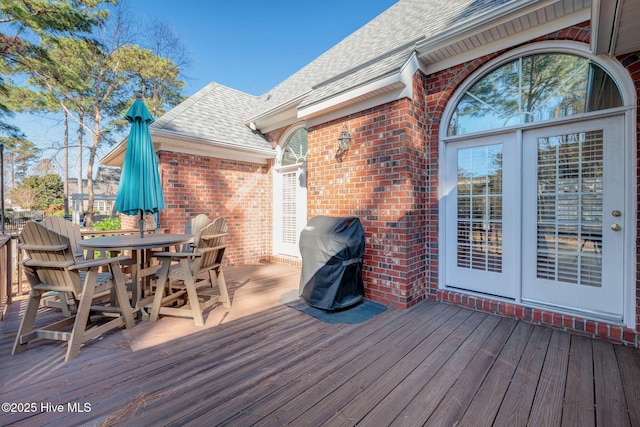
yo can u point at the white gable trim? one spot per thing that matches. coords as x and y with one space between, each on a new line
440 54
606 19
386 89
182 144
278 116
175 142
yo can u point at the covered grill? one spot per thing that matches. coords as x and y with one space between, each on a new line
332 252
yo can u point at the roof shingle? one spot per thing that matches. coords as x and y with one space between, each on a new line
404 23
216 114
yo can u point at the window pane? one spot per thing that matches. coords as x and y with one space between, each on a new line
295 149
480 208
569 247
534 88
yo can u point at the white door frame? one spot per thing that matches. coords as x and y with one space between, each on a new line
604 301
280 247
628 92
482 279
300 169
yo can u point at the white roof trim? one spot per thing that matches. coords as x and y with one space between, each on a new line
493 18
116 155
605 22
202 148
389 88
278 116
436 53
173 141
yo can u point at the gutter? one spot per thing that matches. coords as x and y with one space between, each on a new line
492 18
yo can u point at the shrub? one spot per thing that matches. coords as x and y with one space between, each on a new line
107 224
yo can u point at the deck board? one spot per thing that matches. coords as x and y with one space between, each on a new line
462 392
341 387
426 401
629 366
370 387
610 399
578 404
351 357
516 404
482 410
263 363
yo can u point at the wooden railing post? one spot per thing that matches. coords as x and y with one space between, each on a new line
6 273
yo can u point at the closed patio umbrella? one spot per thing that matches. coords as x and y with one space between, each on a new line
140 189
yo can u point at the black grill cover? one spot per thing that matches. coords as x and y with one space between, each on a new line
332 252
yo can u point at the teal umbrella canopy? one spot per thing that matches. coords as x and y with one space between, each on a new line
140 189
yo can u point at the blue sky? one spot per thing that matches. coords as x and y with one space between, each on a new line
248 45
254 45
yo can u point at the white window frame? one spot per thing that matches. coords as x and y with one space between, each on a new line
628 92
279 248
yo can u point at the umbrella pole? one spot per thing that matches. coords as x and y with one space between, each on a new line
141 224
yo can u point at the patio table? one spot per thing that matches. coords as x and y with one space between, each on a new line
140 248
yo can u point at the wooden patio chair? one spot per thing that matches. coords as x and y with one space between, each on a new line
51 265
69 229
195 277
62 300
194 226
73 231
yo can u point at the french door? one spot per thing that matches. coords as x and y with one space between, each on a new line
537 215
573 207
481 241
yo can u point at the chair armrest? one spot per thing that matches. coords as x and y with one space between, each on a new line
214 248
47 264
173 254
213 236
98 262
29 247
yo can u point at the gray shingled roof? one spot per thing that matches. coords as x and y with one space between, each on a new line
215 113
218 114
355 58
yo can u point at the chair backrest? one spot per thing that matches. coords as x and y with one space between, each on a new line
194 226
212 244
218 226
52 256
69 229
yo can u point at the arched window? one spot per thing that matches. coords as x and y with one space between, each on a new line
294 150
290 192
534 88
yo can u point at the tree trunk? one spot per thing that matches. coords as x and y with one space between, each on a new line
66 163
79 167
92 156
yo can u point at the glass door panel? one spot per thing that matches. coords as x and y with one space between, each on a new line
571 256
476 242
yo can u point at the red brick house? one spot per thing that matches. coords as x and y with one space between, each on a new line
492 158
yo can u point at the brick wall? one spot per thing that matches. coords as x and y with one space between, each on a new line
239 191
381 180
389 179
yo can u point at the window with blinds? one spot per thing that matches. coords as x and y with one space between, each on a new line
479 202
569 229
289 210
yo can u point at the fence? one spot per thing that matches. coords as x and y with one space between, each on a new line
6 281
15 220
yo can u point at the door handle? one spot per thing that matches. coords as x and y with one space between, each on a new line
616 227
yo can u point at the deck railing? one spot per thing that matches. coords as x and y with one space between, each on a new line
6 270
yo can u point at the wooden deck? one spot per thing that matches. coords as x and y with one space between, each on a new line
263 363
